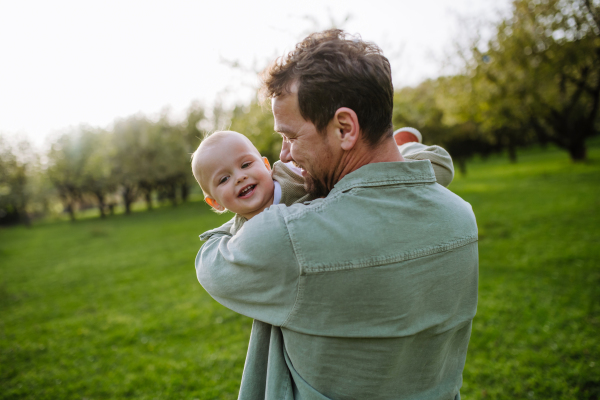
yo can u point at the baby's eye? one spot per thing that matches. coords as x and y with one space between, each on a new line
223 179
246 164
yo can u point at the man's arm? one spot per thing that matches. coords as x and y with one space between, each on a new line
440 160
255 272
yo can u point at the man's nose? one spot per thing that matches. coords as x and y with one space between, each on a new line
285 154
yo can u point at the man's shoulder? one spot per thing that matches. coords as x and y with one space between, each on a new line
369 226
421 201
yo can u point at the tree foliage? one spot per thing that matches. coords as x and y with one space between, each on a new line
16 165
537 79
256 122
436 108
541 73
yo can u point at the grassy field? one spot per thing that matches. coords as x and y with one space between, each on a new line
101 309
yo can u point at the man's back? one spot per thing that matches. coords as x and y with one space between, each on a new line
385 287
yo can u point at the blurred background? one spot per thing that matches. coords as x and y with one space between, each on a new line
101 105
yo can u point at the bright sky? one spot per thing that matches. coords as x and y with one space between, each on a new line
68 62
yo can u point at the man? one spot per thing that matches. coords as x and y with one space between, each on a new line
371 290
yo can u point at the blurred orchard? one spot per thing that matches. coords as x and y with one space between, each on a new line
536 80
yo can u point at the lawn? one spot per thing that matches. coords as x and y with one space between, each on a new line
101 309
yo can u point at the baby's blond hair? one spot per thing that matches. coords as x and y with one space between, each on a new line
210 139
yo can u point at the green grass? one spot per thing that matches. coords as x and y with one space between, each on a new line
537 329
102 309
112 309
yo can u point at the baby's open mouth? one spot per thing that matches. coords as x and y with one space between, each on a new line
247 191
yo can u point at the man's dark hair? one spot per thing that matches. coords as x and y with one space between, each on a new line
335 70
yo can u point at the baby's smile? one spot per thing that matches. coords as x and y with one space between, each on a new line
247 191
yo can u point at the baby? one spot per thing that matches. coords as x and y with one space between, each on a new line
234 176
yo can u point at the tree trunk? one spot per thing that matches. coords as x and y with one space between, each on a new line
577 150
173 194
128 199
127 204
148 197
100 198
185 192
24 216
25 219
462 166
512 150
71 212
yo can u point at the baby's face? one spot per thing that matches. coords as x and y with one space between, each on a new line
236 176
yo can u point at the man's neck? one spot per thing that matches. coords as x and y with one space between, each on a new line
362 154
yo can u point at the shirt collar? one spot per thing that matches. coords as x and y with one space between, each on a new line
387 173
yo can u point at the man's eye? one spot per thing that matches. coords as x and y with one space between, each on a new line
223 179
246 164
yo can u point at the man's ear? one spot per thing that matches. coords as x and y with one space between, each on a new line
347 128
267 163
213 203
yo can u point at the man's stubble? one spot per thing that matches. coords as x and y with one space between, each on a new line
315 187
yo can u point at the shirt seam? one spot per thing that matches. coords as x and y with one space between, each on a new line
335 196
299 262
381 260
390 181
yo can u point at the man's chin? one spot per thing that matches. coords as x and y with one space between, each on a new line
315 188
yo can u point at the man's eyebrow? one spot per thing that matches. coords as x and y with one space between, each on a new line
282 130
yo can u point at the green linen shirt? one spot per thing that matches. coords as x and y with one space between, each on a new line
370 291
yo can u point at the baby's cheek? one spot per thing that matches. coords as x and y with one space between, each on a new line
269 185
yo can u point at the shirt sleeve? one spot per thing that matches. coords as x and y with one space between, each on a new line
255 272
292 184
439 157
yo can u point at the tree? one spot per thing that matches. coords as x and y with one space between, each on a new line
173 166
192 136
541 72
256 122
79 165
438 109
65 169
134 159
97 177
16 162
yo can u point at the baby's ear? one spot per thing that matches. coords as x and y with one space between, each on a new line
213 203
267 163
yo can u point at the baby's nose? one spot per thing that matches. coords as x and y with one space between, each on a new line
242 177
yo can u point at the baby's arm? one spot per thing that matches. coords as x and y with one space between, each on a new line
292 184
440 159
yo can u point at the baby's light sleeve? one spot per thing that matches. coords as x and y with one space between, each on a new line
439 157
292 184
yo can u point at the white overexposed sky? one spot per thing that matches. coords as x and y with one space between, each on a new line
64 63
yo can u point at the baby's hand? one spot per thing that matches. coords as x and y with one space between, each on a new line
407 135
